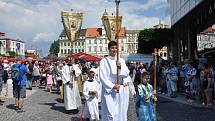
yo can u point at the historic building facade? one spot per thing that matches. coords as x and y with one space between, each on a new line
12 45
132 41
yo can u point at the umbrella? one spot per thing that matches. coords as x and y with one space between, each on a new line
76 55
90 58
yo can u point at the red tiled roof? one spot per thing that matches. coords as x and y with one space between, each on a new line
93 32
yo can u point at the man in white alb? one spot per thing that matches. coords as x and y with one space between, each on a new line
111 101
72 99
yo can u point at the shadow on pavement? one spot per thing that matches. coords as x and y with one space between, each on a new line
55 92
59 100
57 108
202 108
11 106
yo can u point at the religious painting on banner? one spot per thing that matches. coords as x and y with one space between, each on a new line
18 46
110 26
72 22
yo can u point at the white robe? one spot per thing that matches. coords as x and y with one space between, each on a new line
110 100
72 99
96 71
124 98
91 109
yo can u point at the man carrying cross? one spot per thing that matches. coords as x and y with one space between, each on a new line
111 100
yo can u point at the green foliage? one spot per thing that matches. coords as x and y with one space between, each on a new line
153 38
12 54
54 48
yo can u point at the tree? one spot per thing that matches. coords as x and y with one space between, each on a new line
54 48
153 38
12 54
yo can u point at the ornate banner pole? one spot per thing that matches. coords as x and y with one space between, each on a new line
155 76
112 25
117 38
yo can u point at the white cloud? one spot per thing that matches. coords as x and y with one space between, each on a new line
37 21
42 36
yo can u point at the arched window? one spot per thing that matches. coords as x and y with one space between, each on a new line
161 54
165 54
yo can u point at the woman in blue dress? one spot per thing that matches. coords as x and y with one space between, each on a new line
145 100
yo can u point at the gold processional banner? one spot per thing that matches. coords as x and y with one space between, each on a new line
72 22
109 23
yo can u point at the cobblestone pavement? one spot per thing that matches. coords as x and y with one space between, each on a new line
44 106
171 110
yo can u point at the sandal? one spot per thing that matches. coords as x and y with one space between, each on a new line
20 110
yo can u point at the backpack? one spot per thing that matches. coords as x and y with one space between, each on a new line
16 75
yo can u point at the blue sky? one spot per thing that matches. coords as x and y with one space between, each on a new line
38 22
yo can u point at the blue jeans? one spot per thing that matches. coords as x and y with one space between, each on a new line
29 82
169 89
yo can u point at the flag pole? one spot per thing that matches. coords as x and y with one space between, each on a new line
117 37
155 76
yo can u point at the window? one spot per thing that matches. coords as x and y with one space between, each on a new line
68 43
82 43
161 54
64 51
129 46
121 40
61 43
100 48
64 43
68 51
95 48
79 50
98 41
82 50
61 51
75 43
122 48
95 41
89 41
89 49
165 55
106 49
79 44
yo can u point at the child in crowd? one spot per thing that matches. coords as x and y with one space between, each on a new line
49 81
90 91
188 89
145 100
